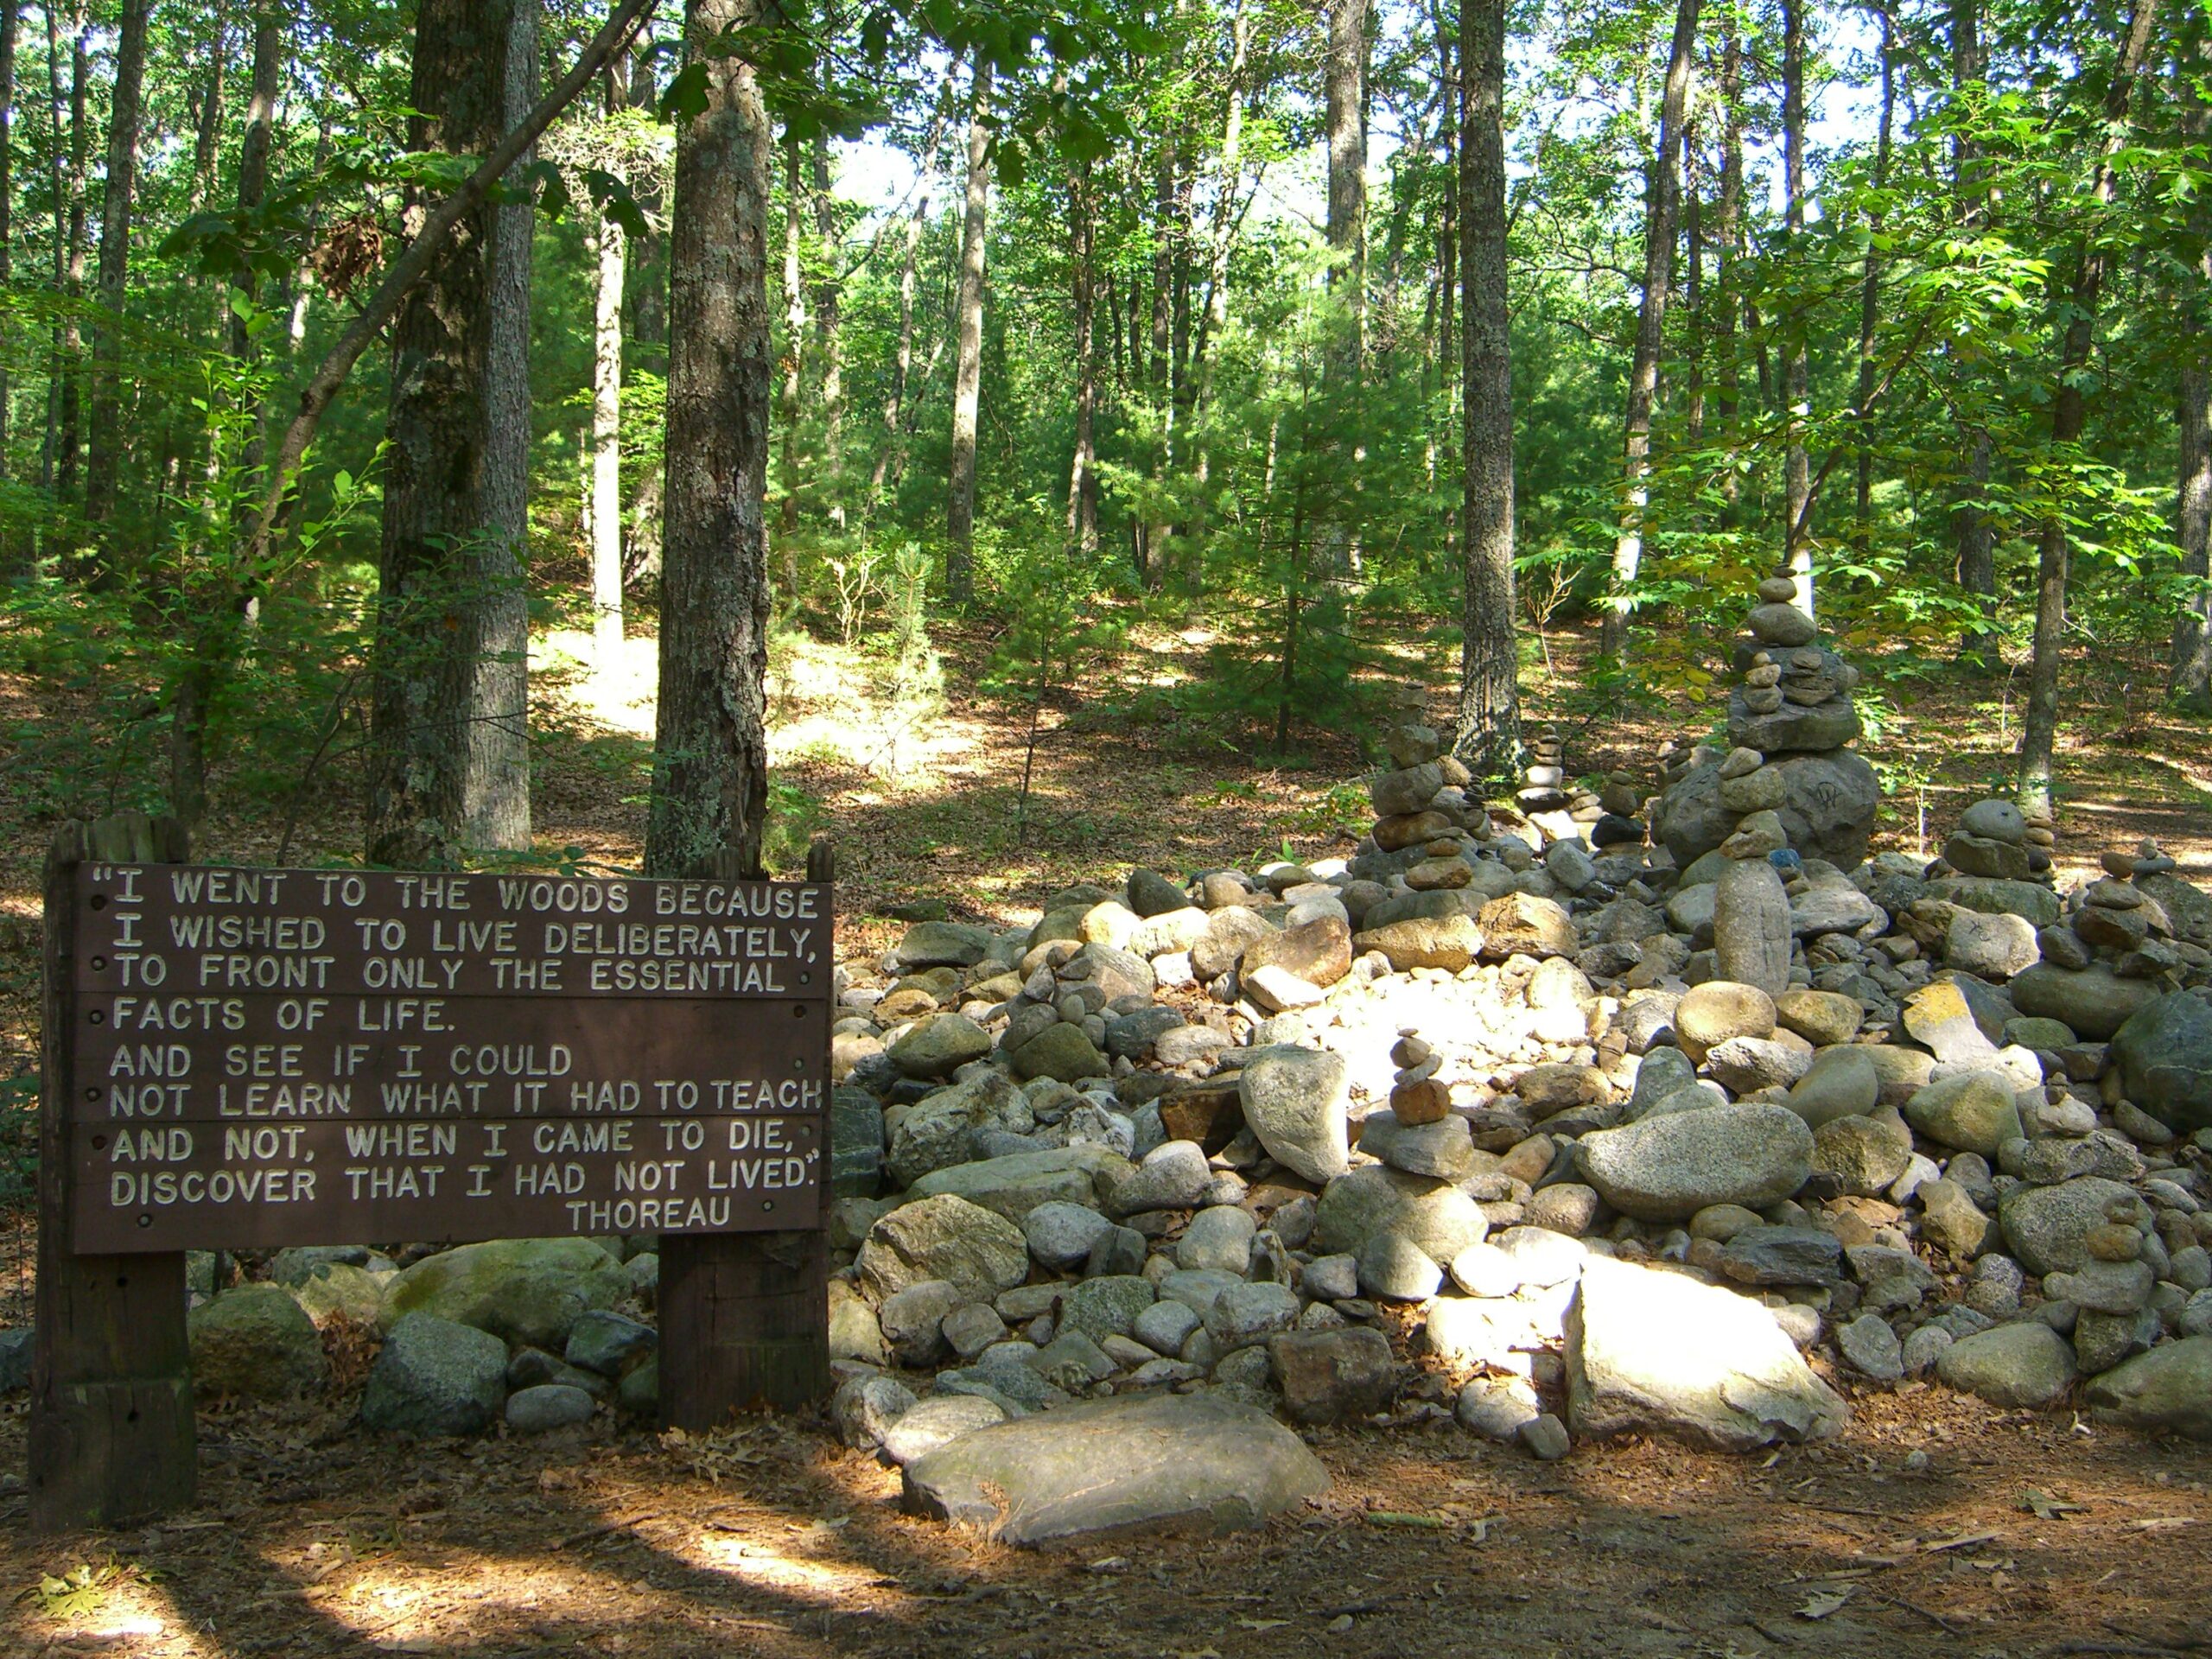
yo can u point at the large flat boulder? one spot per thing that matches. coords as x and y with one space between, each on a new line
1633 1363
1168 1462
1670 1166
528 1291
2095 1001
1014 1186
2167 1390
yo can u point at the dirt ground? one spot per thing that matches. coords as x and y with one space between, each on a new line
2023 1535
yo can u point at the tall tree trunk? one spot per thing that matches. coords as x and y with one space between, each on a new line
10 11
612 250
1728 396
192 696
828 337
898 403
1976 538
495 786
2189 681
1796 470
2069 413
1870 299
792 362
208 111
1221 233
448 764
1490 702
69 440
888 458
1113 299
1450 118
104 453
967 364
1152 564
1344 83
1694 318
1082 480
260 134
1662 199
710 748
647 256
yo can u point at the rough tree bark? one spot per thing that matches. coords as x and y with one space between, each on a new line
1345 79
68 442
1663 201
890 459
1082 479
793 363
495 783
1490 705
968 362
2190 680
1693 317
1975 536
104 452
2069 416
829 336
710 751
611 250
447 761
1797 469
898 405
1870 299
743 1310
260 133
197 682
207 109
1222 234
9 11
1728 394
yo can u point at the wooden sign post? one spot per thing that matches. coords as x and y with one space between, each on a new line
257 1057
111 1430
745 1317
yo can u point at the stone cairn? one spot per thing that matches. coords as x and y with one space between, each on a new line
1792 711
1548 801
1557 1097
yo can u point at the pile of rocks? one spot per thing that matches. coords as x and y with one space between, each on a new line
1561 1099
1792 707
1542 1099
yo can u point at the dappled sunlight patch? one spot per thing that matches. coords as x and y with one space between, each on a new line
620 694
788 1571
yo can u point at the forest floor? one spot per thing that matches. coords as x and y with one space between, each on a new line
2024 1535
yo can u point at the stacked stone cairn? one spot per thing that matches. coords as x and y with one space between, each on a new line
1472 1125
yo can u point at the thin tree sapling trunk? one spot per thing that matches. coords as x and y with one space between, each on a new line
1662 197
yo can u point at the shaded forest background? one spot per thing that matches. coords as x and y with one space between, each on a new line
1319 344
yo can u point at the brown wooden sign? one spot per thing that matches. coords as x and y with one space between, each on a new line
275 1056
